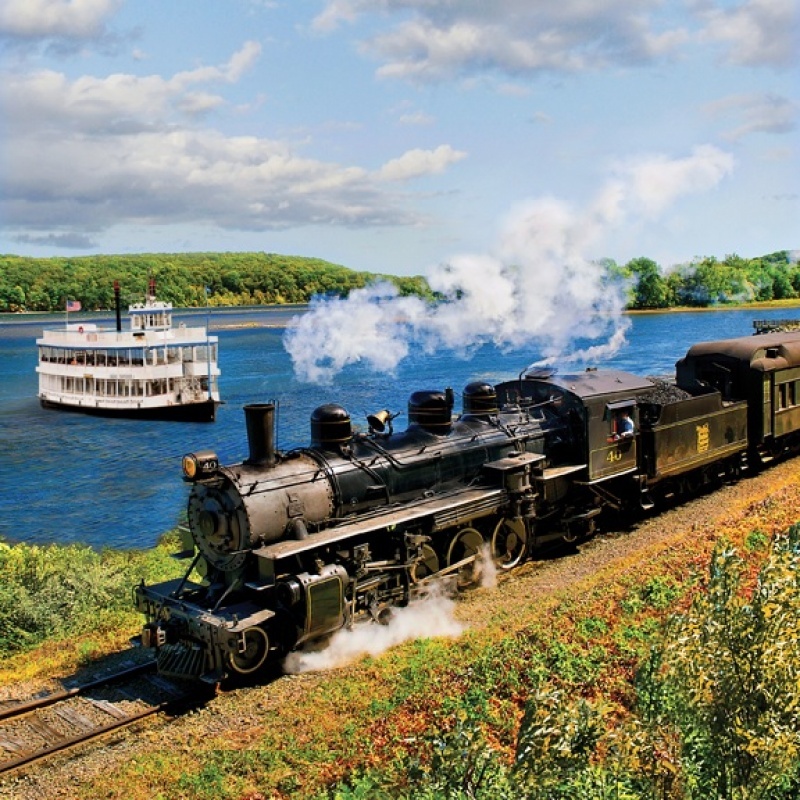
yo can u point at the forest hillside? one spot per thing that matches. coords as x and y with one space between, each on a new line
235 279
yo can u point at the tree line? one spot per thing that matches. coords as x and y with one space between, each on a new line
235 279
709 282
186 280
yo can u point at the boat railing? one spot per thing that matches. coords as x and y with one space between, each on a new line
175 336
149 372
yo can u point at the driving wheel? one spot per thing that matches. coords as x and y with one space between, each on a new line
467 543
509 543
254 655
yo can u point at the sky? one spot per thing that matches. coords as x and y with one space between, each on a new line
396 136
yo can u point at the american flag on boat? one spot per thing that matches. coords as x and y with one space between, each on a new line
73 305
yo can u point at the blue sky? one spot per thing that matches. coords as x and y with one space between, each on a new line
397 135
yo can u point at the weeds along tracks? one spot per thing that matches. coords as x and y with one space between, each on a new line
40 727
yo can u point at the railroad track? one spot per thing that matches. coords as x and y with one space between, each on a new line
40 727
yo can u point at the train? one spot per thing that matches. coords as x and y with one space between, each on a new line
288 547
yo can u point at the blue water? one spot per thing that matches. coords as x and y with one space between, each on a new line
67 477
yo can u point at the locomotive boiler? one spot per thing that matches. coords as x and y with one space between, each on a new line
287 547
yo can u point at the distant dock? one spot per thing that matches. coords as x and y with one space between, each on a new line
776 325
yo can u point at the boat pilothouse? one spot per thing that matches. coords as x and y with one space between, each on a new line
150 371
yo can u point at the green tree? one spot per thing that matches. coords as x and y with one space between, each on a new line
12 298
651 289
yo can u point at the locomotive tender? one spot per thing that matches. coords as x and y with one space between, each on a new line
287 547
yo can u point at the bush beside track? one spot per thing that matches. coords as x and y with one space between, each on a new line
60 594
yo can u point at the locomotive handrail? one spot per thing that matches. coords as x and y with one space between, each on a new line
400 513
393 460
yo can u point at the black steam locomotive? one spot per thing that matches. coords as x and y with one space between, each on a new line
287 547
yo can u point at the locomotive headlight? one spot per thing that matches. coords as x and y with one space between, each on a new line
199 465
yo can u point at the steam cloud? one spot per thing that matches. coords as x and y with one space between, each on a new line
432 615
537 290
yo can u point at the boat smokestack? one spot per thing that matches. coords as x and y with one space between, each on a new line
117 306
260 421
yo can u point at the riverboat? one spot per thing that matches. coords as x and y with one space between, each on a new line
153 370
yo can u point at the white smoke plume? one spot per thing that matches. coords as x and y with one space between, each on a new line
486 569
423 618
539 289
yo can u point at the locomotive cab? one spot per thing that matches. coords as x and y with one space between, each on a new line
594 405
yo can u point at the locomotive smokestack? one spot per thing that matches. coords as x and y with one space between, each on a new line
260 421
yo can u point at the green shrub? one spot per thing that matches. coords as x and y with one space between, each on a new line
54 590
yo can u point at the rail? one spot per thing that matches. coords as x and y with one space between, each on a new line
35 729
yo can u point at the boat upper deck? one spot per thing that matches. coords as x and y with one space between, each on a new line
89 336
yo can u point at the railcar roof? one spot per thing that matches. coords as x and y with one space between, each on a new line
752 348
597 382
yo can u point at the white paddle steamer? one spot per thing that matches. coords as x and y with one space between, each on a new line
150 371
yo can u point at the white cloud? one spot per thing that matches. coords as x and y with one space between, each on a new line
87 154
541 118
47 99
435 40
657 181
335 12
432 41
72 19
416 163
174 175
417 118
758 32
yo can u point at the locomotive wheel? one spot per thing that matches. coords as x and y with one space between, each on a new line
256 650
466 543
426 565
509 543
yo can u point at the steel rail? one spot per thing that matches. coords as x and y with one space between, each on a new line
26 706
58 742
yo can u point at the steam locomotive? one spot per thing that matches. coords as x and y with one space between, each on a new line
287 547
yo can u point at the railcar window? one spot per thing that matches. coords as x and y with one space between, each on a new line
787 395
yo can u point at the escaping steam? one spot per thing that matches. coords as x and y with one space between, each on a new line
427 617
537 290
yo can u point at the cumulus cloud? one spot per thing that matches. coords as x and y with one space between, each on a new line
69 19
47 99
414 163
538 288
655 182
757 32
433 41
334 13
164 176
88 153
